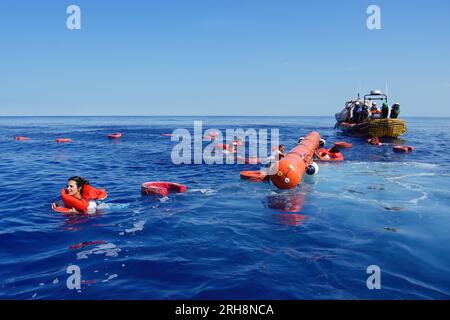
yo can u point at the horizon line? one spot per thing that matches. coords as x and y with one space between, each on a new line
171 115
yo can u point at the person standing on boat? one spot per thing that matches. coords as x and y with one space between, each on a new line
357 112
374 112
384 111
395 110
364 113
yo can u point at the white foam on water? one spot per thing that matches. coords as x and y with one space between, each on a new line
164 199
55 281
207 192
411 175
110 277
34 295
113 206
138 226
423 165
358 198
412 186
108 249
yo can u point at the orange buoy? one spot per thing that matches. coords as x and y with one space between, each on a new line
254 176
161 188
293 166
62 140
116 135
21 138
403 149
343 144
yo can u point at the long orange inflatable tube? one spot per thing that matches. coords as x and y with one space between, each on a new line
293 166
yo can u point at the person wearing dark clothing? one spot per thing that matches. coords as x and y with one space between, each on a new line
357 113
364 113
334 150
395 111
384 111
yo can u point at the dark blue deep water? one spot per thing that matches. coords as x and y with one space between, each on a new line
225 238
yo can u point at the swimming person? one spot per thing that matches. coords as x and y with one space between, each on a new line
76 191
279 153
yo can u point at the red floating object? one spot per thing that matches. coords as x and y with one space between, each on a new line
62 140
403 149
254 176
116 135
161 188
343 144
21 138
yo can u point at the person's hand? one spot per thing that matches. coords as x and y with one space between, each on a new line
54 205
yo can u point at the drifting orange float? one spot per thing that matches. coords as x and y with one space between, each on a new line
254 176
403 149
63 140
343 144
81 205
292 167
116 135
161 188
21 138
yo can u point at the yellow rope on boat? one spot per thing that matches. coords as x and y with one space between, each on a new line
387 127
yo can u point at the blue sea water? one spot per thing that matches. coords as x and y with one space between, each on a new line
225 238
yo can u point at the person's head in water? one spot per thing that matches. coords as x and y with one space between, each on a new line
75 186
282 148
334 150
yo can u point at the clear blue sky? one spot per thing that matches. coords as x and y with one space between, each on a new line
221 57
